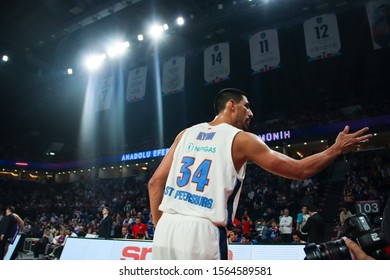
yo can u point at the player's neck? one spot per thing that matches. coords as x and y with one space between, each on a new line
219 119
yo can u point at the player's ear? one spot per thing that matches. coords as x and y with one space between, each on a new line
231 105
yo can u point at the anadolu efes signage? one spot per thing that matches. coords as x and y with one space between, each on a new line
145 154
101 249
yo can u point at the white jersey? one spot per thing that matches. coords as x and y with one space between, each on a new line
202 181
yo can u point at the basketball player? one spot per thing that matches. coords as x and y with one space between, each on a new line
195 191
10 227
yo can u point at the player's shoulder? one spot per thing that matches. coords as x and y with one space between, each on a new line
247 136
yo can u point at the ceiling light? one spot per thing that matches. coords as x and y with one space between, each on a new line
93 62
156 30
180 20
118 49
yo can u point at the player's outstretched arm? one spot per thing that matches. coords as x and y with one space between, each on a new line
248 146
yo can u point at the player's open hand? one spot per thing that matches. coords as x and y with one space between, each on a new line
348 142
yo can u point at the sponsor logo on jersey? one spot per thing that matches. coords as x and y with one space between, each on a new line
206 149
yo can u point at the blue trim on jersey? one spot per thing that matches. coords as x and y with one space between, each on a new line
230 205
15 232
223 244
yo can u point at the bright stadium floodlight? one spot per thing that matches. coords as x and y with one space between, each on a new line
93 62
156 31
69 71
5 58
140 37
118 49
165 27
180 21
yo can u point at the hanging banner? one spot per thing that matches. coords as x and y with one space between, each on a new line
264 51
136 84
322 37
378 13
173 75
104 92
217 63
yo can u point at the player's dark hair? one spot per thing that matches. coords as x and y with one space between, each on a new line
224 96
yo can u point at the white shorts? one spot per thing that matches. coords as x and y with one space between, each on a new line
179 237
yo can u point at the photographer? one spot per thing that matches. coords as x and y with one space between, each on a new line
386 221
356 252
360 241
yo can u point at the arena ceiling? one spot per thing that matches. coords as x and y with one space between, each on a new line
44 37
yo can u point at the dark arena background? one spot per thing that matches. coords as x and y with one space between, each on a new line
91 100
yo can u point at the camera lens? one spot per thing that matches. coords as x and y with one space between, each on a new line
332 250
337 250
314 252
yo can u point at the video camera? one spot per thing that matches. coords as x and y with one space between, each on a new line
358 229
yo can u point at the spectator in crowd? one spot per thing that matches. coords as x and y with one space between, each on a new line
314 227
70 232
140 236
301 221
344 214
349 198
40 246
128 221
269 215
105 224
297 237
360 193
117 224
286 226
263 232
58 242
234 236
246 238
139 227
245 225
126 234
274 230
246 214
150 227
59 247
80 231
